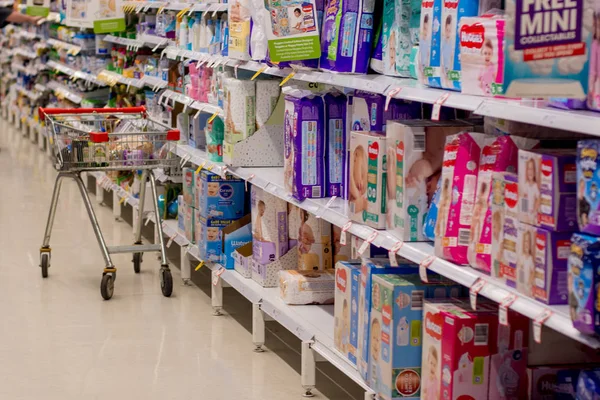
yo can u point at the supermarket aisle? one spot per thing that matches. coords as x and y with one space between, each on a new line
60 340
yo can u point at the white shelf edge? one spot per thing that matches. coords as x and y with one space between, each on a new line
191 103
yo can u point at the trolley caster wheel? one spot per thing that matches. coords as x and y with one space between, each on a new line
107 286
308 393
137 262
45 264
166 282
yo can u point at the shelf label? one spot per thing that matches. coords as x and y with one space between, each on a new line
474 291
367 242
224 172
504 306
170 242
345 228
321 210
200 166
287 78
392 253
538 322
212 118
148 219
260 71
200 265
423 268
391 95
437 107
217 276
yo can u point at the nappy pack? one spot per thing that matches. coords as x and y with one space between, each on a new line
269 226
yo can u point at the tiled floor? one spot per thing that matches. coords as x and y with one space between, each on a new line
60 340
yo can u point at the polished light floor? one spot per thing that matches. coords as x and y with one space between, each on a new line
60 340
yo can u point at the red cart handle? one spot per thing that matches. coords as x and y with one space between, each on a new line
124 110
102 137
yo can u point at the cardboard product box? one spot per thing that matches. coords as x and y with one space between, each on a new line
237 234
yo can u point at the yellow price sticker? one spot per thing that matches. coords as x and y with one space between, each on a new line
287 78
200 265
260 71
210 167
182 12
122 200
160 10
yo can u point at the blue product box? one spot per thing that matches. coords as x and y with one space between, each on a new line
588 385
396 335
220 198
210 238
432 72
553 382
188 183
347 281
583 282
180 214
235 235
369 268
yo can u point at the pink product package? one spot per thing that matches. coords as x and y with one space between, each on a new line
457 196
192 90
482 55
501 155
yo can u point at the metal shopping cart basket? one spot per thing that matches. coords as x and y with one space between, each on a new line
104 139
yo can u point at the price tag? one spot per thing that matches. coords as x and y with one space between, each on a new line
537 324
200 167
474 291
503 309
423 268
122 200
367 242
287 78
210 167
327 206
235 69
212 118
148 220
224 172
437 107
217 276
260 71
390 95
185 159
392 253
345 228
170 242
200 265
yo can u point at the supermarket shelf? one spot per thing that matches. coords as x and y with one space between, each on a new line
123 41
189 102
105 182
154 82
271 180
174 6
73 73
28 70
21 33
311 322
25 53
60 45
112 78
28 93
63 91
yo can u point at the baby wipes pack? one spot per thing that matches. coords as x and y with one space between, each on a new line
307 287
547 47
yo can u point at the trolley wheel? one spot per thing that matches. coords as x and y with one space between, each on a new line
44 264
166 281
107 286
137 262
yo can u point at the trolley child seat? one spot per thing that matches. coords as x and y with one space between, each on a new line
110 139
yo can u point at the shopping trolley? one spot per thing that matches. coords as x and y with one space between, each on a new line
110 139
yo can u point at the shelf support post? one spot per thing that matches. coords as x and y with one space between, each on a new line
258 328
186 271
216 294
309 369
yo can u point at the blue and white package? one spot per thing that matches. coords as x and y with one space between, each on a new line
219 198
449 60
432 71
236 235
210 244
546 48
432 213
588 385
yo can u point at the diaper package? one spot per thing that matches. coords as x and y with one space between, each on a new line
431 72
235 235
215 134
347 36
391 55
210 239
426 29
368 179
188 187
547 47
460 368
542 263
218 197
415 149
269 226
304 135
240 100
481 56
335 144
345 337
505 226
239 14
560 381
547 186
450 39
369 268
369 114
396 320
457 198
313 240
588 182
267 96
307 287
588 384
340 252
501 154
583 282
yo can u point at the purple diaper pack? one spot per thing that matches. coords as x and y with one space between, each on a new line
369 114
547 186
335 144
304 138
347 36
